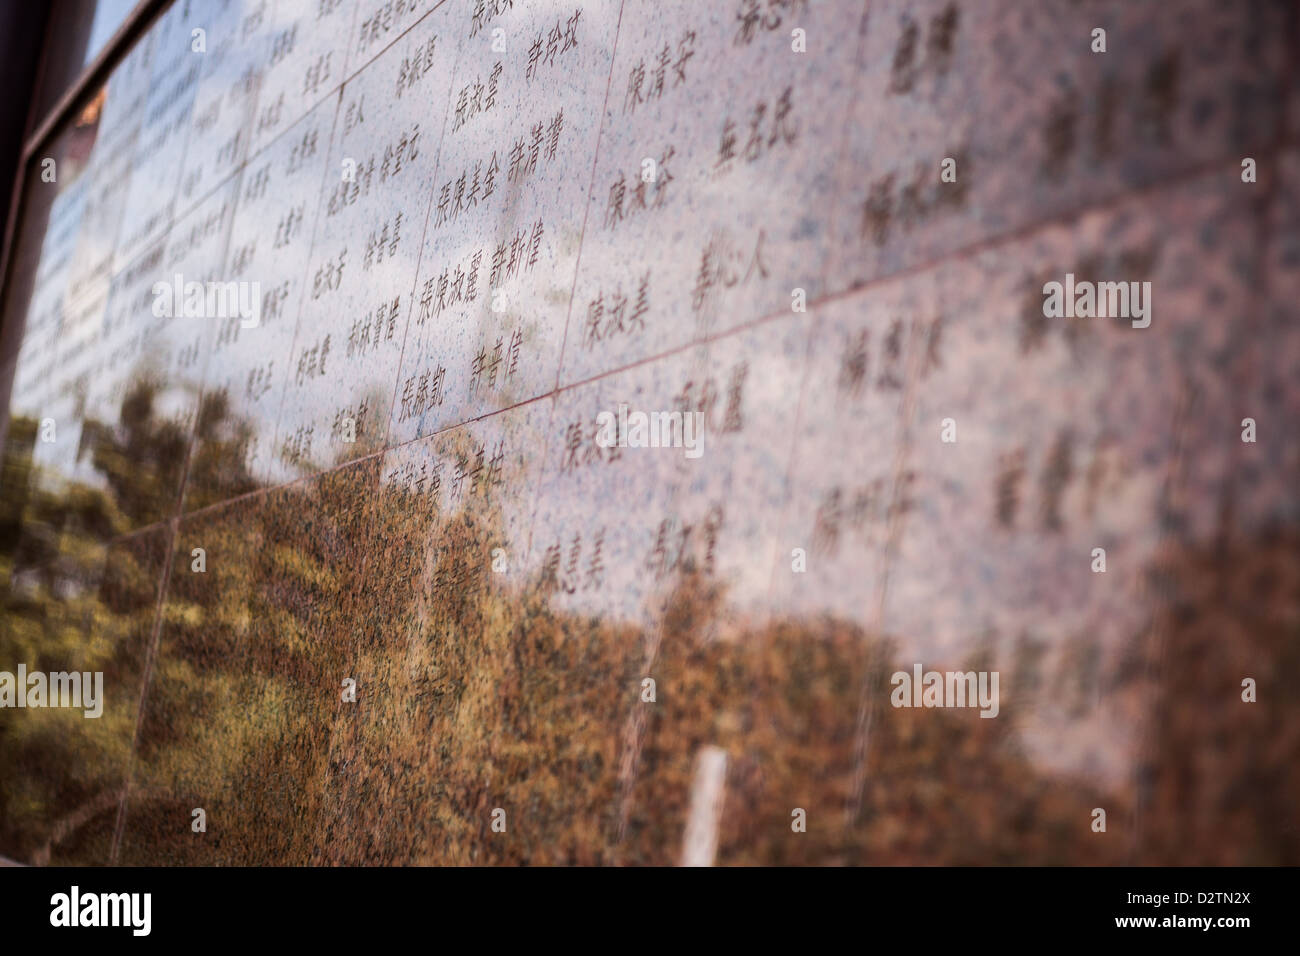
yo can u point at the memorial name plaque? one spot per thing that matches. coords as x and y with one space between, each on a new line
646 431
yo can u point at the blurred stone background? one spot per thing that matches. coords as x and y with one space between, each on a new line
498 272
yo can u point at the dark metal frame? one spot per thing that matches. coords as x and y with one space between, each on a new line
43 132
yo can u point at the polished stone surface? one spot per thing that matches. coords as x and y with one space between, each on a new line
367 585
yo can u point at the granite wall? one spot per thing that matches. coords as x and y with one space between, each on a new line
368 582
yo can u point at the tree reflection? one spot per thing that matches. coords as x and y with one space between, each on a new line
484 695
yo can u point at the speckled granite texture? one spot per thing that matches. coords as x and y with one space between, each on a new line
365 585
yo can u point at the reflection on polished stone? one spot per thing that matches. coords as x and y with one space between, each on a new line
367 584
66 773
